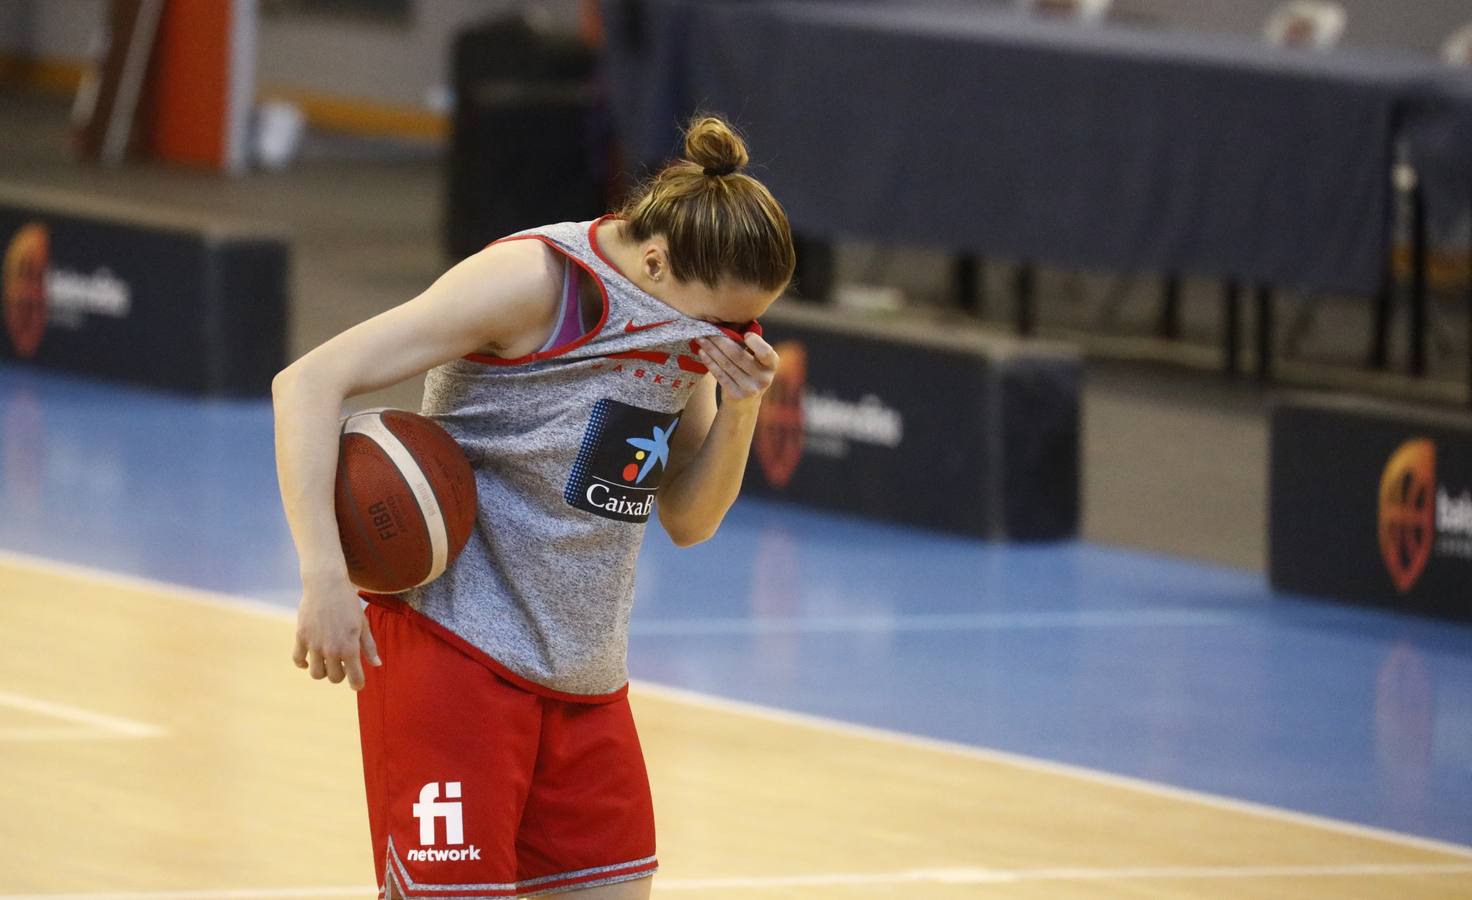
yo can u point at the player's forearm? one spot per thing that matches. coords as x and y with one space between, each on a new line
307 418
693 505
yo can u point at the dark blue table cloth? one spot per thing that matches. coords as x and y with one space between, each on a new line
981 130
1437 129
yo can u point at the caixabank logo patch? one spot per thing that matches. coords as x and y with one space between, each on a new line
1420 516
622 461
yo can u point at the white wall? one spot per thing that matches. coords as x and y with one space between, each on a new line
394 63
397 64
1414 25
49 29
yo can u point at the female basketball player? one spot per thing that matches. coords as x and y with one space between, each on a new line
576 365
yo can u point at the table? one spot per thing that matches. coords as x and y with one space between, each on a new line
1436 127
985 131
165 297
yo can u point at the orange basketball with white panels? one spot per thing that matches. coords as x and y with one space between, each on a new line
405 499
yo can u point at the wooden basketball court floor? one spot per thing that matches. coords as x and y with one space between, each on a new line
831 709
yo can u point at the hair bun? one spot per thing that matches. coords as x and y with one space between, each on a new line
712 144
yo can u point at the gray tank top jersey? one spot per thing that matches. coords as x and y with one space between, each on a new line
569 447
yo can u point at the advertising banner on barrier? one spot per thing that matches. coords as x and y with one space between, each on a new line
1372 504
968 437
140 298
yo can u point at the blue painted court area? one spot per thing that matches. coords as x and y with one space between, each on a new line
1178 673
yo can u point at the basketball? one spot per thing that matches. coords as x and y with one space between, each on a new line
405 499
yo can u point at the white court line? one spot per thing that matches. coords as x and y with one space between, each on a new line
752 710
994 621
210 894
1016 876
954 876
1080 773
1148 616
118 579
96 724
58 733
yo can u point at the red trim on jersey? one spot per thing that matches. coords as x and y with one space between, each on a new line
390 602
598 251
555 351
739 335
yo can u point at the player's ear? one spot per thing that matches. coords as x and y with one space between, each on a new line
656 261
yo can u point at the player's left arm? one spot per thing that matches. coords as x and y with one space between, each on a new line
708 450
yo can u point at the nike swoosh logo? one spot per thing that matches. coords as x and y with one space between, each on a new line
631 328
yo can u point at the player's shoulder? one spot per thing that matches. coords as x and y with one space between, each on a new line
515 272
510 292
529 259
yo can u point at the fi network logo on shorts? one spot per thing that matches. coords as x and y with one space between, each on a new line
622 461
429 811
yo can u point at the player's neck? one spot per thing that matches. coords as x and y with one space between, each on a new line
627 257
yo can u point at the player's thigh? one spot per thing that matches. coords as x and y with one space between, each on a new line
588 818
449 750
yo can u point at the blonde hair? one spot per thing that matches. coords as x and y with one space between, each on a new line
720 222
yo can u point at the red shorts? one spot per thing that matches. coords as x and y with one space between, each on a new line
479 787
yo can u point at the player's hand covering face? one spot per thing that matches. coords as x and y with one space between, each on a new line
743 370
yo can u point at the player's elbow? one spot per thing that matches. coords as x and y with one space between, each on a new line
283 382
311 371
286 386
684 533
690 539
304 370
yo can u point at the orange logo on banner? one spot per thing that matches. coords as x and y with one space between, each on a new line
25 288
1408 511
779 426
